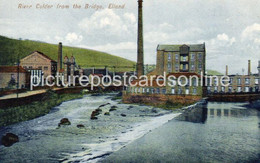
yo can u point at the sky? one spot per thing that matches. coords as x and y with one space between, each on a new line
229 28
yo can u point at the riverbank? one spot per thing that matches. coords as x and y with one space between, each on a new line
84 139
38 108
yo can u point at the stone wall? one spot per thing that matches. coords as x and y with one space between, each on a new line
157 99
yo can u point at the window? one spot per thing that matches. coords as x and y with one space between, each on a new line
40 67
209 89
152 90
200 66
187 91
230 80
169 57
246 89
192 57
192 68
194 82
179 90
24 67
45 67
176 57
238 81
147 90
163 91
222 89
173 91
158 90
215 81
230 89
200 57
169 67
184 67
256 81
176 67
194 91
144 90
215 89
184 58
139 90
247 81
135 90
238 89
30 67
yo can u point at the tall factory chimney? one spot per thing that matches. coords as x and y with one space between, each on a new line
226 70
59 66
249 67
140 48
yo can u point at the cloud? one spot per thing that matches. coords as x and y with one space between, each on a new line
73 38
108 24
251 33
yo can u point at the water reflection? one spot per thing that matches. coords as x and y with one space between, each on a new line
200 113
226 111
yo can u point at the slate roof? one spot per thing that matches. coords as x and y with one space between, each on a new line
10 69
44 55
176 48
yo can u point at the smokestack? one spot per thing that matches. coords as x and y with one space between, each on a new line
140 51
59 66
226 70
249 67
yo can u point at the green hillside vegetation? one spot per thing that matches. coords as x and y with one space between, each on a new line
10 48
213 72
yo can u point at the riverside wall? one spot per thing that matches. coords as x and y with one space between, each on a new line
158 99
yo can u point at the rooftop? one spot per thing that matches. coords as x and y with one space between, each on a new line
10 69
176 48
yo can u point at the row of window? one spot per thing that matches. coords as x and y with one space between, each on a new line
231 89
185 58
184 67
162 90
247 81
40 67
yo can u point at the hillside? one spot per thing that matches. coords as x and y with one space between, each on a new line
213 72
10 48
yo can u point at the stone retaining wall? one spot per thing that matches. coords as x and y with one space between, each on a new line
157 99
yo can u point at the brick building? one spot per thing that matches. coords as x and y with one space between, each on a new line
39 61
8 77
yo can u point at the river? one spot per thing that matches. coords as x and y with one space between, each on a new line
135 133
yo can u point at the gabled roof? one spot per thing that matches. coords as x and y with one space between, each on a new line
176 48
10 69
44 55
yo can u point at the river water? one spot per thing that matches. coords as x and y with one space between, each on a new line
230 134
40 139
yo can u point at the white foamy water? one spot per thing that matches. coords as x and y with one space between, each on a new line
100 150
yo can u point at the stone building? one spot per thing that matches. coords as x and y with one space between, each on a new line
39 61
8 77
237 84
173 60
181 58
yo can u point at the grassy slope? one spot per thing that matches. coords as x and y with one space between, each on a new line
213 72
9 49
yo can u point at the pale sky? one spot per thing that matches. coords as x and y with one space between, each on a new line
230 28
